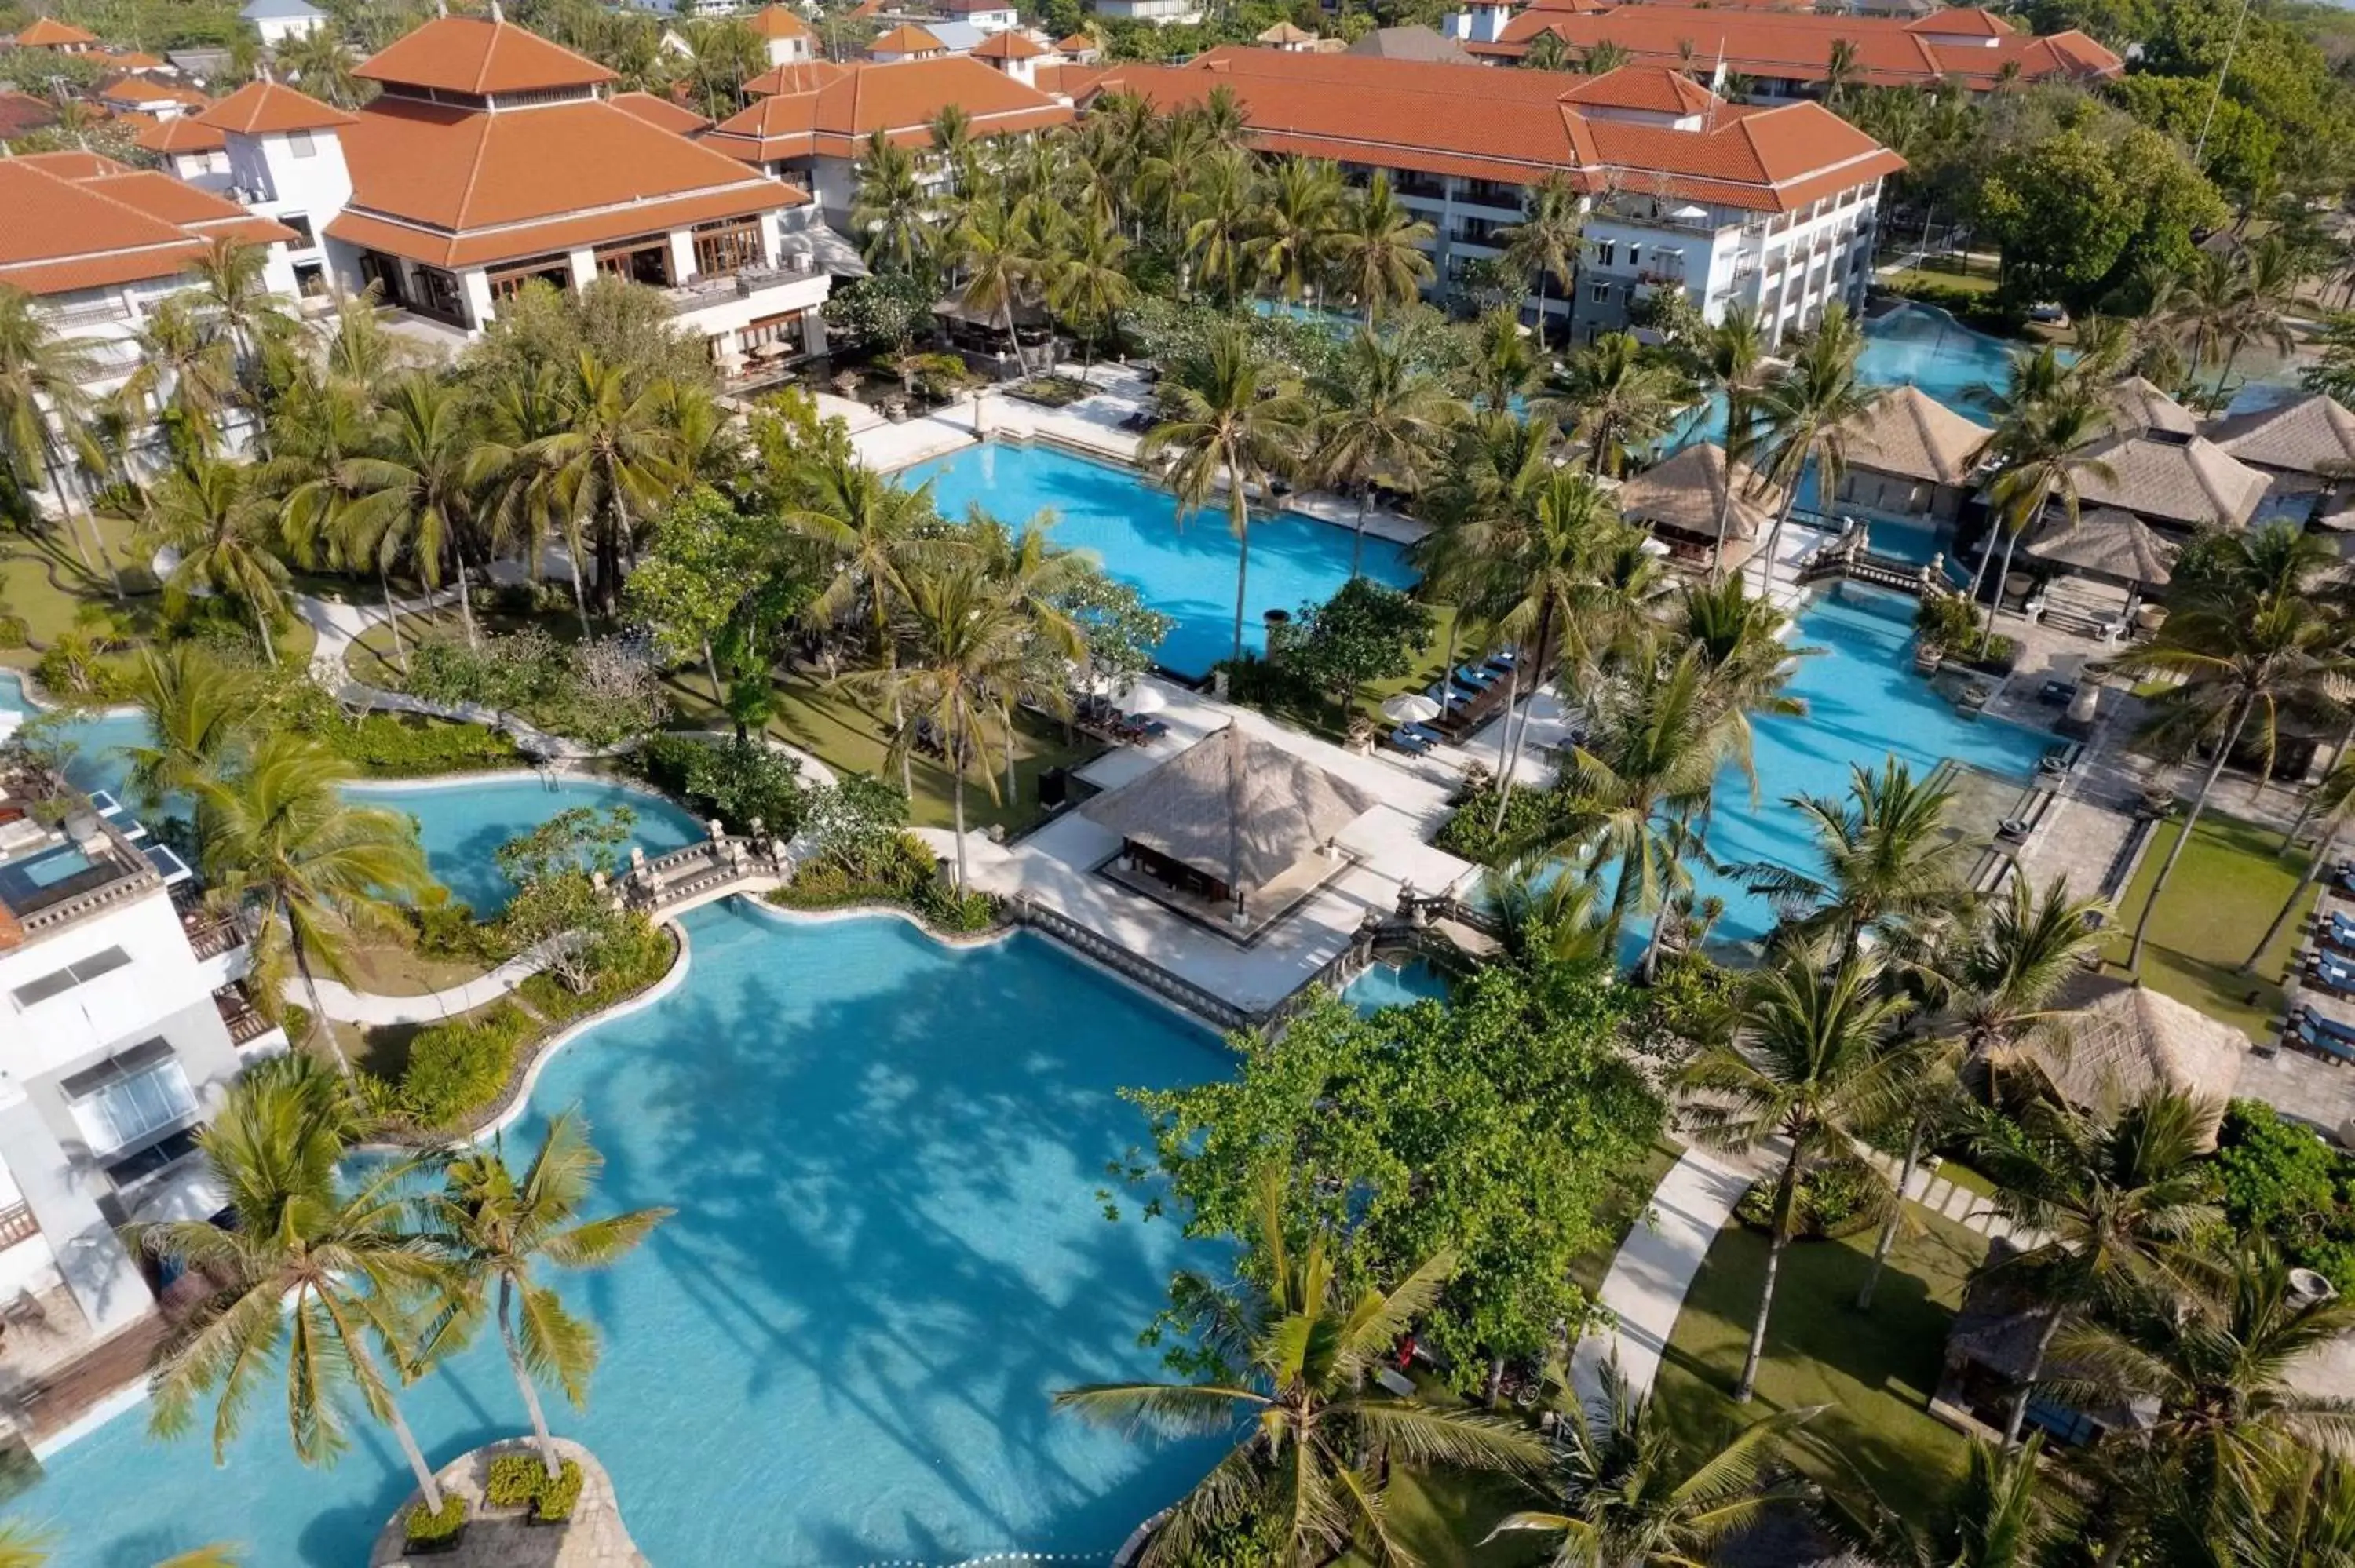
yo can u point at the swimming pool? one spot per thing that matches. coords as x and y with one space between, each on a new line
888 1253
1396 985
1186 572
461 825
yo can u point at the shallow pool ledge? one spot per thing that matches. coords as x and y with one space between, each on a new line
594 1537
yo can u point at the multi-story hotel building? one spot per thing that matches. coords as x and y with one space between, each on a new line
1772 207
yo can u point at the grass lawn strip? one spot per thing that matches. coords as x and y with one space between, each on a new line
2232 881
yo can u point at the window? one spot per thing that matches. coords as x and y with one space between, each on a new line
1598 294
301 144
1605 251
1635 256
131 1098
300 222
81 971
727 246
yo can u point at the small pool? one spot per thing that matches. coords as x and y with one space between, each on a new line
1396 985
460 825
888 1252
1187 572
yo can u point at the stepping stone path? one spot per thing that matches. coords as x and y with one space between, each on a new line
1955 1202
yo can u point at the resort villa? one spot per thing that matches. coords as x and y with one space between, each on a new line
1910 456
1770 208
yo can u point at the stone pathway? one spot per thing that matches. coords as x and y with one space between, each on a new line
1965 1208
1654 1266
348 1006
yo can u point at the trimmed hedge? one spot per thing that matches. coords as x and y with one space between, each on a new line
456 1068
520 1480
905 874
432 1532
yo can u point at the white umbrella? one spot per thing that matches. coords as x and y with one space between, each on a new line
1410 707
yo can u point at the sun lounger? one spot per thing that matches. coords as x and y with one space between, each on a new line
2339 931
2333 973
1427 733
1411 741
1478 679
2325 1038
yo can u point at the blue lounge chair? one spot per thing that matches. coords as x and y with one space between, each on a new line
2340 931
1426 732
1410 740
2343 873
2332 971
2319 1034
1478 679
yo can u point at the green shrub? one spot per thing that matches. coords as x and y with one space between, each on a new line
446 929
1049 391
408 746
734 780
1838 1198
514 1480
1531 813
457 1068
902 872
1948 619
430 1533
557 1498
14 632
945 908
2278 1176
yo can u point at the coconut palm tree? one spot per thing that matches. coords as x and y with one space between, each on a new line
1217 210
2232 1408
1890 862
317 59
962 653
223 526
614 460
1634 1494
1996 985
1294 1357
184 374
2245 651
1377 249
280 835
2119 1195
197 711
1227 419
2205 308
999 255
2003 1515
1732 354
1388 430
1804 412
42 374
2270 272
1545 243
2043 453
1812 1067
1037 581
1608 54
1743 644
1623 397
1088 284
2305 1521
316 1269
2330 796
1842 70
891 212
237 302
1546 52
497 1230
1504 363
409 495
1299 214
24 1547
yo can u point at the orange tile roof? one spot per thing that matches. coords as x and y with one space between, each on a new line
21 111
1075 43
1962 21
1066 79
795 76
1007 46
463 188
1513 126
1656 89
838 107
75 226
675 118
139 89
267 108
906 39
778 22
474 56
49 33
132 60
1796 45
182 134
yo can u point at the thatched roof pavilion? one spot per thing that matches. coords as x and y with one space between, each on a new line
1681 500
2106 543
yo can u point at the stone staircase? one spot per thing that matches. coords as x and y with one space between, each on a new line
1956 1202
2087 608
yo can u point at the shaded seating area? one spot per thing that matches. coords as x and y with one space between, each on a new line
1685 500
1910 455
2176 483
2110 560
1996 1344
1233 830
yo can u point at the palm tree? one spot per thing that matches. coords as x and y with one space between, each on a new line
318 60
2002 1516
1623 399
2043 457
2244 651
1505 365
1743 644
196 710
1889 860
2270 272
495 1230
1088 285
2330 796
999 255
1608 54
1035 579
1804 413
2204 309
1732 354
1997 984
312 1268
1546 52
280 835
1216 206
1294 1357
224 527
1812 1066
2305 1521
42 373
953 146
1386 430
1842 70
410 494
238 304
616 458
963 656
22 1547
1545 243
1634 1495
1298 216
1377 249
2119 1195
183 372
889 211
1227 418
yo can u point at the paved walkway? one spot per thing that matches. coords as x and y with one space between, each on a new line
1646 1287
348 1006
1970 1210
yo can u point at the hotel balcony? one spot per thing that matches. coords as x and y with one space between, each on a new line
798 271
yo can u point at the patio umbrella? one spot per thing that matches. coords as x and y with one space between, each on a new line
1410 707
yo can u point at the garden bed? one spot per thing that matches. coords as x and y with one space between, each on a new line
1050 391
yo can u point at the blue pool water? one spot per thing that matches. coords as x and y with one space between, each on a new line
1396 985
461 826
888 1253
1863 701
1187 572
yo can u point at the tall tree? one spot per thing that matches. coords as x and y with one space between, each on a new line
1623 397
42 374
1889 860
1299 212
1733 353
497 1230
224 528
1227 418
615 461
197 711
1088 284
1387 430
410 494
891 212
1544 244
1377 248
1804 412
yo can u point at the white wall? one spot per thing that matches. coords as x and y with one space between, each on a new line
162 978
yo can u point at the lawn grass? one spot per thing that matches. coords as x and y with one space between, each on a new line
1946 271
2231 883
391 967
1872 1371
1444 1516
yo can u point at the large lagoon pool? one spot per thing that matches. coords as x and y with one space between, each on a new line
1186 571
461 825
888 1252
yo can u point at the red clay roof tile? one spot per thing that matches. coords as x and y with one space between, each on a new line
474 56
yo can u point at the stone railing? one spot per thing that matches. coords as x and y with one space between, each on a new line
1176 988
1852 556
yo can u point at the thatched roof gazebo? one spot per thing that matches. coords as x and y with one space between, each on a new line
1911 434
2120 1042
2106 543
1229 816
1682 500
